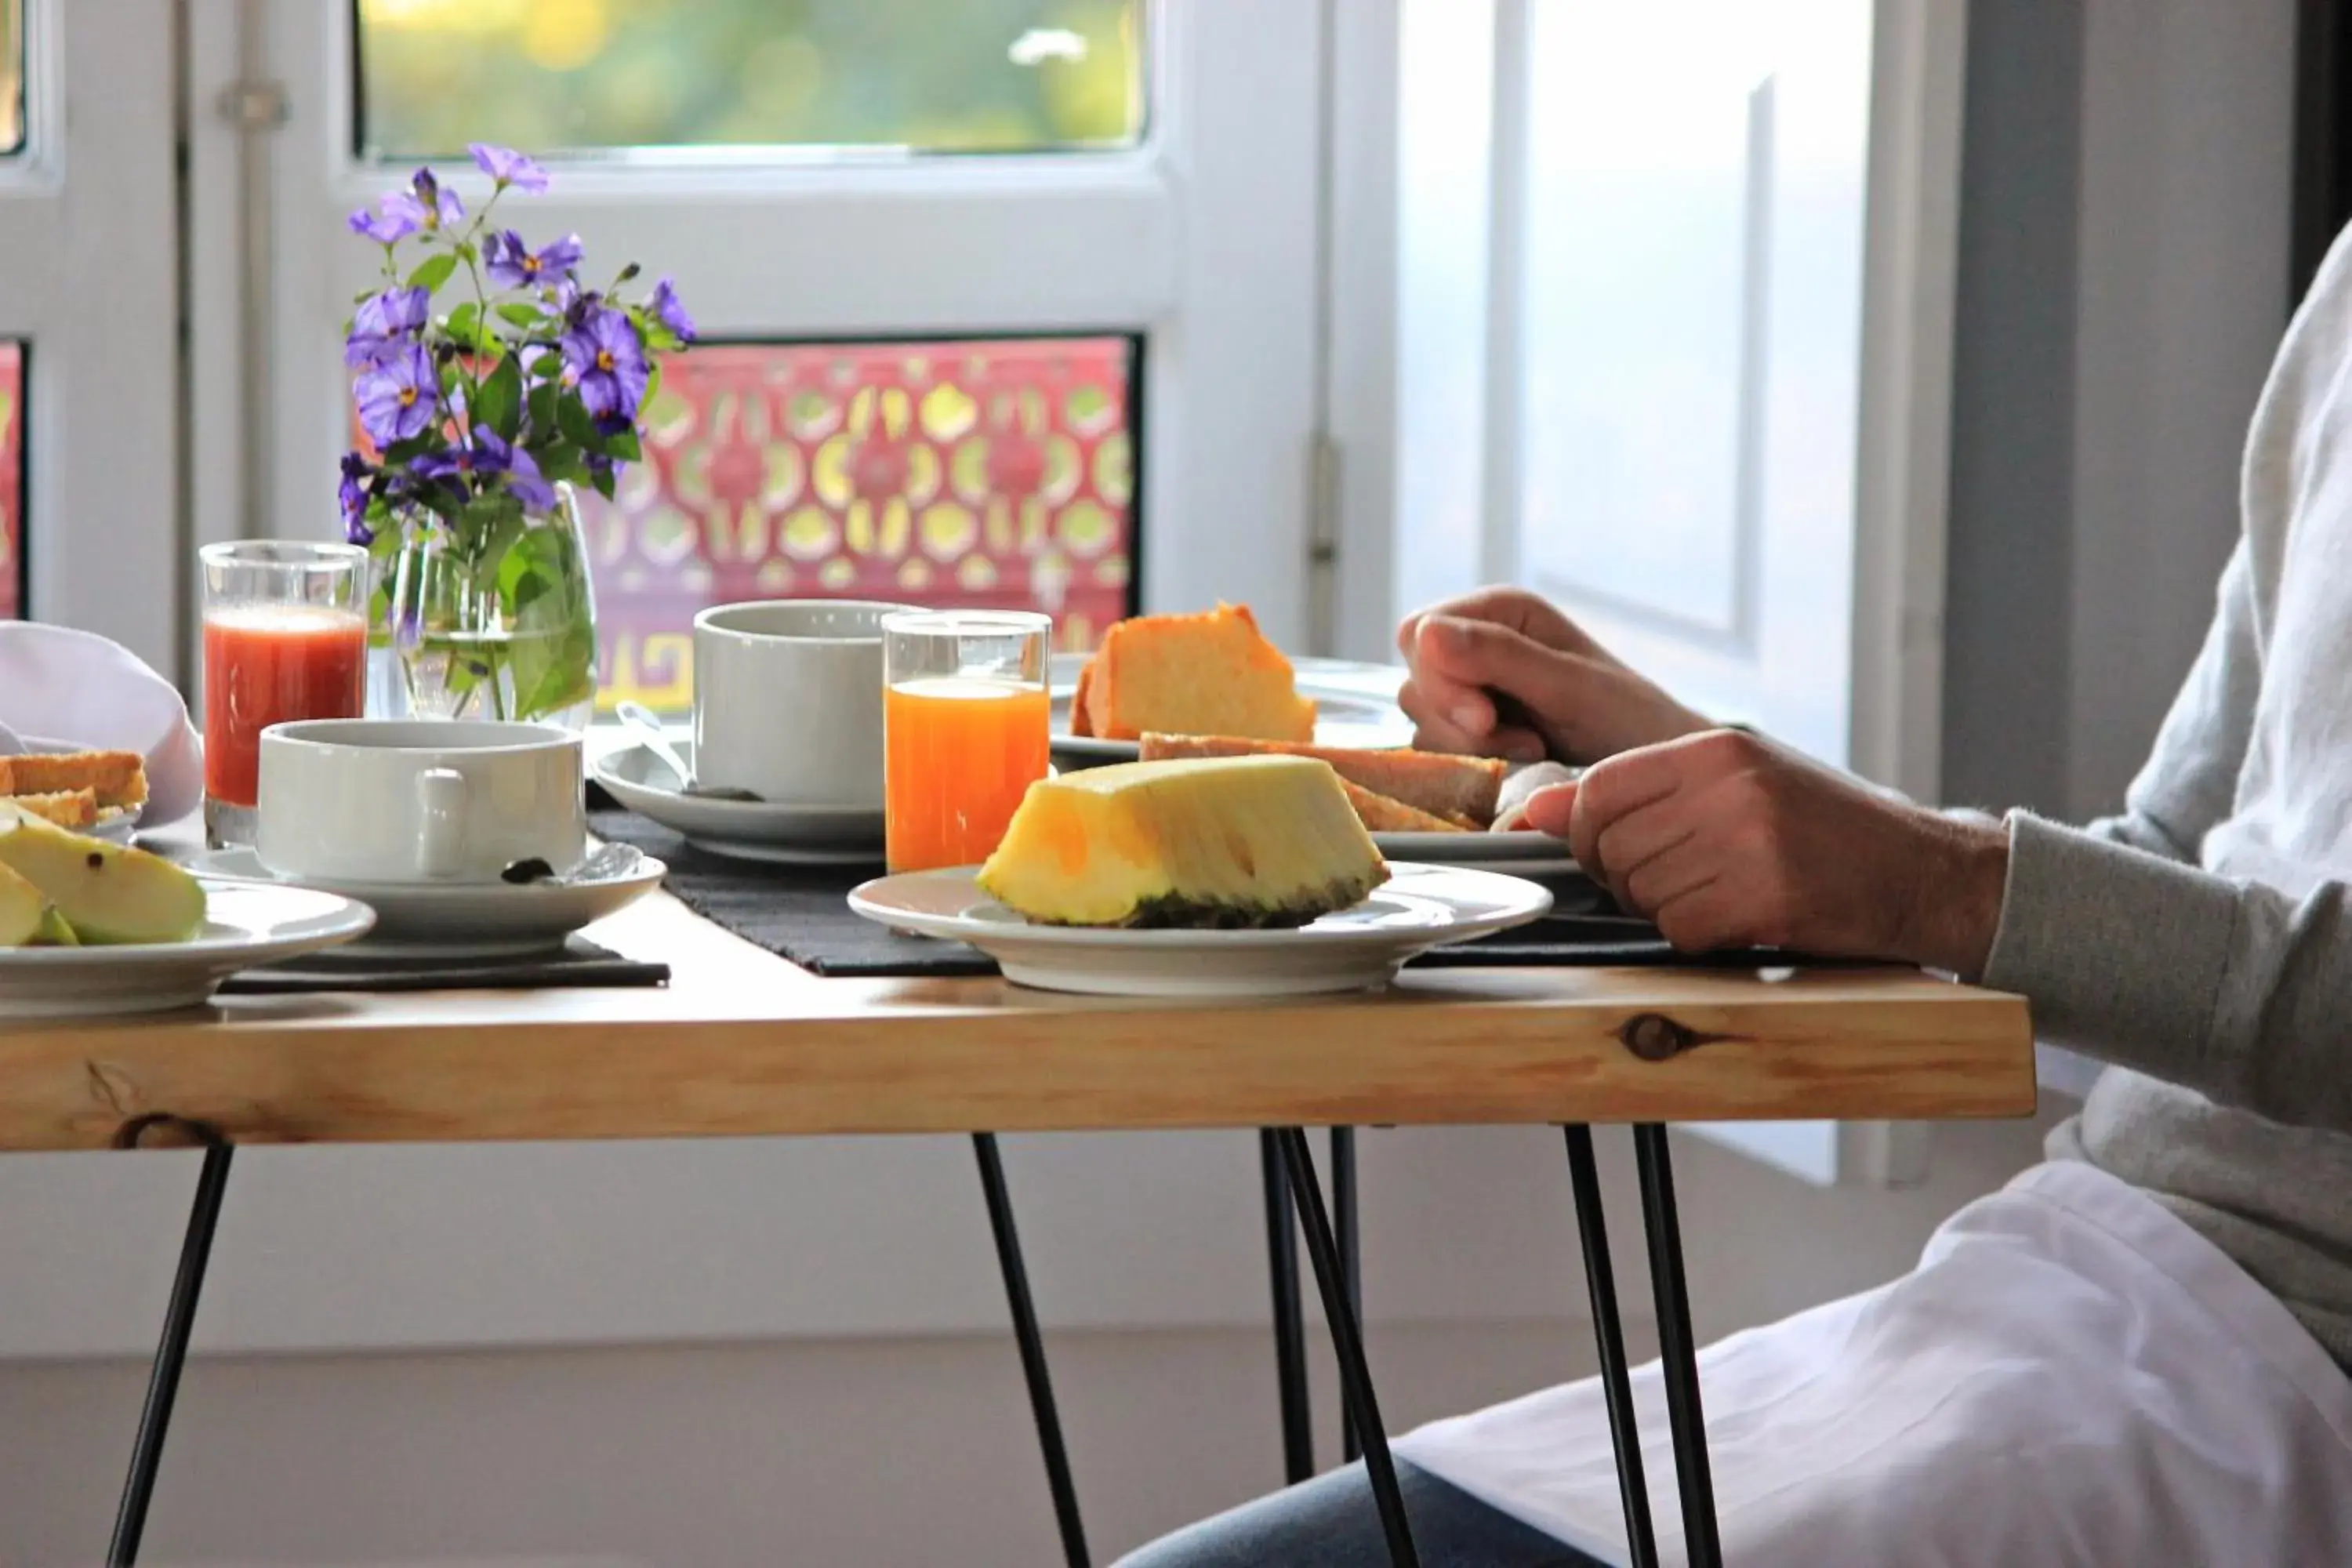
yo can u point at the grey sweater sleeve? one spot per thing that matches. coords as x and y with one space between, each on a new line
2128 951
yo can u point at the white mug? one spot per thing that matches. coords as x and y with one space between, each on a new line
788 700
419 800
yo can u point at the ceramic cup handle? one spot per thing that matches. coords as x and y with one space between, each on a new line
441 807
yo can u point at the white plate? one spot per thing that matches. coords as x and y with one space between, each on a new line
1355 706
245 925
1515 851
1421 907
746 829
467 920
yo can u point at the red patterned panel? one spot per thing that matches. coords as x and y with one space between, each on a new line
987 475
12 480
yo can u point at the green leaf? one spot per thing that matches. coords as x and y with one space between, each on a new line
552 655
542 409
653 383
579 427
623 445
432 271
464 322
530 318
499 403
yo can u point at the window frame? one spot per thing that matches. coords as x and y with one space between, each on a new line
93 196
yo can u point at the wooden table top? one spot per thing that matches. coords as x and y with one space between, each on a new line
743 1043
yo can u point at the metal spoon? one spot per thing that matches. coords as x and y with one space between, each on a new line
648 730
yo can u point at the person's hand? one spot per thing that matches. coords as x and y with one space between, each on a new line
1726 841
1501 673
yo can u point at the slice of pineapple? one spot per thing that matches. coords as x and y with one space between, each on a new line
1216 841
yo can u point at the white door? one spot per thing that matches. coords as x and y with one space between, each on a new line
91 531
1665 337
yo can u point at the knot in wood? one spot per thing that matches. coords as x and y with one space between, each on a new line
1653 1037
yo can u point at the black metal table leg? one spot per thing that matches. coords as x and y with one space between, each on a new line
1354 1372
1352 1259
179 1320
1616 1385
1289 1317
1678 1357
1033 1350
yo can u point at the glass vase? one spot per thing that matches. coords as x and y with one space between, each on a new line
507 634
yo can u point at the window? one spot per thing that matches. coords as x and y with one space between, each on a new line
983 473
12 480
11 76
587 76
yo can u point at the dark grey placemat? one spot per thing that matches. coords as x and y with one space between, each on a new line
802 912
579 962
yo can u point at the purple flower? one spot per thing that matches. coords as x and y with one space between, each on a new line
359 476
665 308
524 480
398 395
515 265
608 363
509 167
391 220
425 203
384 322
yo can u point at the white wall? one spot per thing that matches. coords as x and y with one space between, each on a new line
2188 119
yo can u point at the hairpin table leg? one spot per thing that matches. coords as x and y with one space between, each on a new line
1678 1357
1352 1259
1289 1316
1617 1386
1033 1350
1354 1372
179 1318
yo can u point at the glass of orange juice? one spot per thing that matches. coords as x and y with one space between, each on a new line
964 730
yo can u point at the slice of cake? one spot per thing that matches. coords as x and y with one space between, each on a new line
1207 674
1223 841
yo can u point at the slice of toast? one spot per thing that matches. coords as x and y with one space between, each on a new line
1433 783
75 809
117 778
1082 720
1382 815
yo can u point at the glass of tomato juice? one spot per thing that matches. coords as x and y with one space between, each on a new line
965 730
285 637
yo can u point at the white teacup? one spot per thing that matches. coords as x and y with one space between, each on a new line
419 800
788 700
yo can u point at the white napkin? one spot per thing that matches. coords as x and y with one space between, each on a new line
1519 784
62 689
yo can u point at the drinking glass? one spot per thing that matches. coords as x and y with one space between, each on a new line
285 637
965 730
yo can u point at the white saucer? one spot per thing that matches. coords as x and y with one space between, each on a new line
244 925
1420 907
1355 706
466 919
744 829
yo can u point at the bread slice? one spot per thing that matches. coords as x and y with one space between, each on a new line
117 778
1209 673
74 808
1431 781
1382 815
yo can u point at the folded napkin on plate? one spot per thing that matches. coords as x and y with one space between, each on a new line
59 685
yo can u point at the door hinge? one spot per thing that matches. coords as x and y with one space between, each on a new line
254 105
1322 543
